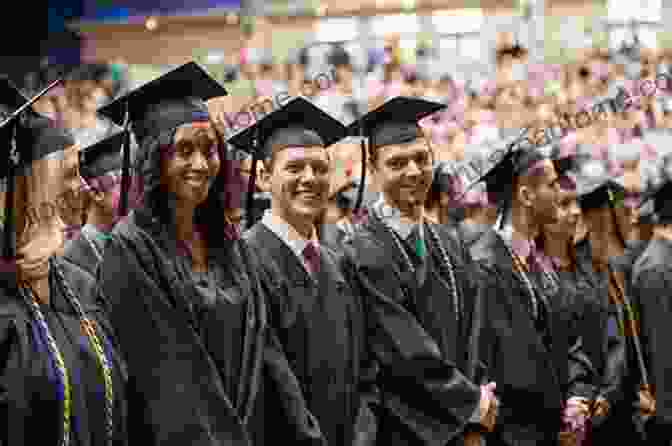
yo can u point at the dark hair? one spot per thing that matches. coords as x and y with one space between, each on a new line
155 201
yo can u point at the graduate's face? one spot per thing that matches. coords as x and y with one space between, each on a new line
191 164
539 192
299 182
73 198
404 172
107 198
568 216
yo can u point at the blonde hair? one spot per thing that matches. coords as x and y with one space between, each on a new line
38 194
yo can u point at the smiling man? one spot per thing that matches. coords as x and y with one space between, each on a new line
314 310
414 279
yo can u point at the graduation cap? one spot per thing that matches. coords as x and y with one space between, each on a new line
89 72
596 187
34 138
507 161
659 200
394 122
166 102
160 106
299 123
28 136
101 158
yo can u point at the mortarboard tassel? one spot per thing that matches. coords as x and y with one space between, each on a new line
362 180
9 240
126 164
253 179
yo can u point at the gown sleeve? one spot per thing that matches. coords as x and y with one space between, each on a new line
14 402
421 390
653 291
286 386
582 376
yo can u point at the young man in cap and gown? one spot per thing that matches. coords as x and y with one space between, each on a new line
528 345
423 308
317 315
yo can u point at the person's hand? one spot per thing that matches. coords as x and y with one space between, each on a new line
647 403
601 407
488 406
567 438
472 439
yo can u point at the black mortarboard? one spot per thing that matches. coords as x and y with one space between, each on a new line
299 123
596 188
160 106
101 157
27 136
662 203
286 127
88 72
567 163
36 137
507 162
394 122
167 102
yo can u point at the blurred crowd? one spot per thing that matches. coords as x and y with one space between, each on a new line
485 106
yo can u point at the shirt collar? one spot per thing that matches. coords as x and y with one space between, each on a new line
391 216
518 245
287 233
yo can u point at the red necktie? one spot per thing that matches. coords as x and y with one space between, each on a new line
311 257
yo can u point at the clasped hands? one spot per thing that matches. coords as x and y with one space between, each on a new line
488 414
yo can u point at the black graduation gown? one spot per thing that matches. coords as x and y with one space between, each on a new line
333 235
427 370
80 252
534 376
177 390
612 352
30 411
469 233
320 325
652 288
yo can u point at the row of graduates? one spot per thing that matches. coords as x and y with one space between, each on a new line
173 329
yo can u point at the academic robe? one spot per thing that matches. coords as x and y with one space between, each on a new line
319 322
652 288
80 252
177 391
612 352
469 233
429 374
537 365
31 413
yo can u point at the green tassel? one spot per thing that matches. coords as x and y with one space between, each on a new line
420 247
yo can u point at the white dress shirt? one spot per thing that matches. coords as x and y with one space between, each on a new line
289 236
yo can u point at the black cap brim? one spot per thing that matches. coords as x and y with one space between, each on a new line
398 110
298 113
102 157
